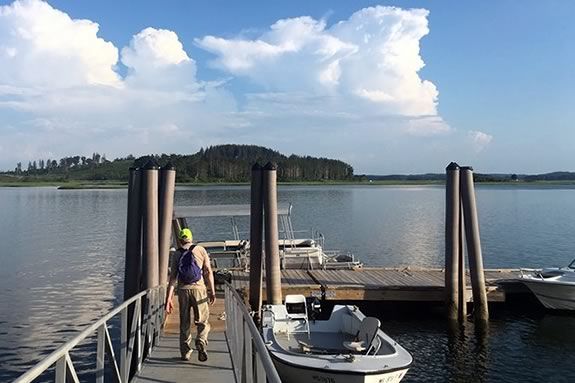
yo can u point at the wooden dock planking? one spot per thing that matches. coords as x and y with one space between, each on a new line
241 279
392 284
493 276
377 278
379 284
293 282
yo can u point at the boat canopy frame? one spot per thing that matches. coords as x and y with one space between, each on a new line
233 211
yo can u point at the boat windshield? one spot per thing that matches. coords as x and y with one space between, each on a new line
572 265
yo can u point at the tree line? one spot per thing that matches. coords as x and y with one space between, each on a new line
221 163
48 166
233 163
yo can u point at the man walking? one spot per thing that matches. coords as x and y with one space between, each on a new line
191 270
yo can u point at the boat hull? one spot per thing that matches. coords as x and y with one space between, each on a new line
555 296
301 374
322 356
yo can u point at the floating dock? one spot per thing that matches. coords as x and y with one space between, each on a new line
366 284
377 284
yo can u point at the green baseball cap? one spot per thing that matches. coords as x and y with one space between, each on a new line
185 234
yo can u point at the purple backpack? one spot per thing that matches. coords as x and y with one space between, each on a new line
188 270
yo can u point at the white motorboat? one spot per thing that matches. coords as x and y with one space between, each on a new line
554 287
295 253
346 348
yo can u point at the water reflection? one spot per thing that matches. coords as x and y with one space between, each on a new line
62 266
555 330
468 351
518 345
62 259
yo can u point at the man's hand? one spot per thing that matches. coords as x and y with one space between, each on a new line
169 306
212 297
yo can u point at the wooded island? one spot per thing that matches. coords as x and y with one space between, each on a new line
232 164
222 163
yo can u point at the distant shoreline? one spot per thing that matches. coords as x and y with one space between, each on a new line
74 185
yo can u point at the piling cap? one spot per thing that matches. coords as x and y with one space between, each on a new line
168 166
151 165
256 166
452 166
271 166
467 168
185 234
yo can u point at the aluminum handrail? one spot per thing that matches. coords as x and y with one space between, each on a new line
251 359
152 322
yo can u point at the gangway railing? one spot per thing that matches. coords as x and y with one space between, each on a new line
147 309
251 360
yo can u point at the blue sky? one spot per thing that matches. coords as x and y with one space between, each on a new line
389 90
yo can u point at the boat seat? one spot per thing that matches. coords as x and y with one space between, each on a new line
296 308
365 341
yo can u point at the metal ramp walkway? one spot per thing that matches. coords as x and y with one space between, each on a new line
164 364
236 350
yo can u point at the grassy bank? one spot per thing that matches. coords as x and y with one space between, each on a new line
75 185
79 185
65 185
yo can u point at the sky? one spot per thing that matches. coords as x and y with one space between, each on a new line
389 87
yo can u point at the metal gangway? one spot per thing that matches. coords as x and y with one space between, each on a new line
141 337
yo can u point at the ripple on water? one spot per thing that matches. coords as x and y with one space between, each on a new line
76 278
54 314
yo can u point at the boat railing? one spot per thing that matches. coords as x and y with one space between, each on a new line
146 311
524 270
250 357
320 239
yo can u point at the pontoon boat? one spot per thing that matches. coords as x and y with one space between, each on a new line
295 253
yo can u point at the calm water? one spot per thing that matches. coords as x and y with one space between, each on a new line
61 258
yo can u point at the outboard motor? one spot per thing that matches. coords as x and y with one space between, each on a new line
313 308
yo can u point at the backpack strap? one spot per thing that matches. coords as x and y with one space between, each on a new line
183 250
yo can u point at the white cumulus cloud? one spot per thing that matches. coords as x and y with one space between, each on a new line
154 48
42 46
60 90
350 86
156 59
350 89
371 59
479 140
427 126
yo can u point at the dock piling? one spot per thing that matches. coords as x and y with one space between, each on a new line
452 241
272 263
462 313
166 208
150 225
471 224
133 262
256 233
